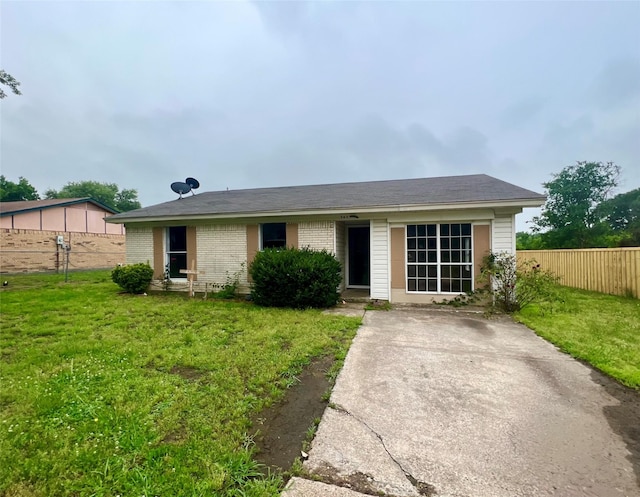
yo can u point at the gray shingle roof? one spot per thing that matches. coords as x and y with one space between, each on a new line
20 206
370 194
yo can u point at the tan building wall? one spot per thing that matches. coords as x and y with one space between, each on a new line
317 235
222 252
78 218
139 246
24 250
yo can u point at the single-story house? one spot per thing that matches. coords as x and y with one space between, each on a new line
412 241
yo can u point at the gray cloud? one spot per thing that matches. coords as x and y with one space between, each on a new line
272 93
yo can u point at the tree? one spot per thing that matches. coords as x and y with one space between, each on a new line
528 241
569 217
622 215
8 80
22 190
105 193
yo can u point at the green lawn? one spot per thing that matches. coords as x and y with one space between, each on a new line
603 330
110 394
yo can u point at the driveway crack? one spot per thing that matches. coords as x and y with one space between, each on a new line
423 488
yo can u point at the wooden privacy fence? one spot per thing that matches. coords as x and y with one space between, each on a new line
606 270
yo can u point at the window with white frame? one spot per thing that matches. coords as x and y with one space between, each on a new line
177 250
273 235
439 258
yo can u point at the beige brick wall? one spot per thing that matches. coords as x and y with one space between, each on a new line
139 245
222 251
317 235
34 250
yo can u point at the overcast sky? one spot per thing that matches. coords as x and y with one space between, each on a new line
255 94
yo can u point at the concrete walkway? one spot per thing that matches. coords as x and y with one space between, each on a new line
438 402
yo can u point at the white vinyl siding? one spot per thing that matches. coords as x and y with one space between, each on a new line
379 259
503 235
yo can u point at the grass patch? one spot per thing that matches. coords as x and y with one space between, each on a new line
603 330
106 393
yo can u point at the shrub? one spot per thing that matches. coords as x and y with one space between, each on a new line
514 284
133 278
229 290
297 278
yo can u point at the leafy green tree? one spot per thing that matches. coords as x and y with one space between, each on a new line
622 215
8 80
108 194
529 241
569 218
22 190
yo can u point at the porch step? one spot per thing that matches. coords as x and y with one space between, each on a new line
356 295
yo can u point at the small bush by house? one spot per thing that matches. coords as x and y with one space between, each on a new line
133 278
297 278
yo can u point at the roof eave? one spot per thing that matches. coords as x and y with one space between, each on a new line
517 203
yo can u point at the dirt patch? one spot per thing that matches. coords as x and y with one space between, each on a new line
364 483
282 428
187 372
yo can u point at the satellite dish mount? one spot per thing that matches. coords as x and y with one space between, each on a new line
189 185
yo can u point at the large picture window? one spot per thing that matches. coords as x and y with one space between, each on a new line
177 250
273 235
439 258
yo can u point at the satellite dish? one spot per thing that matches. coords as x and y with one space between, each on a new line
180 188
193 183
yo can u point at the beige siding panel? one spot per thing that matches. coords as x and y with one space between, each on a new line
379 241
53 219
614 270
398 279
502 234
253 243
317 235
292 235
27 221
481 248
158 259
192 249
96 222
76 218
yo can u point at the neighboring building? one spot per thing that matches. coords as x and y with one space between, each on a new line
31 230
414 240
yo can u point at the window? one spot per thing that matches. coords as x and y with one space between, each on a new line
273 235
439 258
177 250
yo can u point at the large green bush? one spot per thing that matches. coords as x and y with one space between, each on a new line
133 278
297 278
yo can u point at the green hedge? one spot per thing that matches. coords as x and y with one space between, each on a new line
298 278
133 278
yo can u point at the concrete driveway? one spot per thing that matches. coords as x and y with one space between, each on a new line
438 402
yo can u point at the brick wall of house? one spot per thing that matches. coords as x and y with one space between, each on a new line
222 252
139 245
23 250
317 235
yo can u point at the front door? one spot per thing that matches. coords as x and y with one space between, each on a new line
358 256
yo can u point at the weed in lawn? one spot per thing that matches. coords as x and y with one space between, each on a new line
106 393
